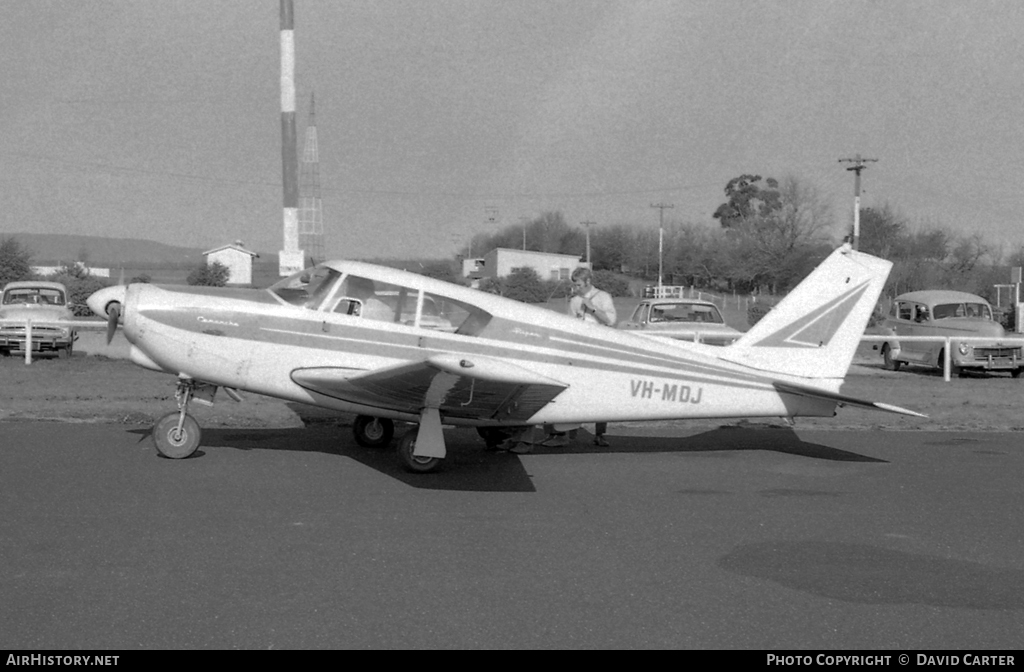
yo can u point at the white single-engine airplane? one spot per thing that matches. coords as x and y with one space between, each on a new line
391 345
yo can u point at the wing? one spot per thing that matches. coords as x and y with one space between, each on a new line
842 400
478 388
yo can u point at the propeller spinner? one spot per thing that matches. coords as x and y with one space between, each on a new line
113 315
108 303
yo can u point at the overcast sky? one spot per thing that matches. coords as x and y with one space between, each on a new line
160 119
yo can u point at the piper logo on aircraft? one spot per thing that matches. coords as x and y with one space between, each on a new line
646 389
816 329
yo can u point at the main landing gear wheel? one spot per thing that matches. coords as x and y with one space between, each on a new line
373 432
172 442
413 463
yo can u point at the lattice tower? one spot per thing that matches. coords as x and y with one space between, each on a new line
311 218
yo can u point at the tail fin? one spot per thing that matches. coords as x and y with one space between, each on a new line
814 331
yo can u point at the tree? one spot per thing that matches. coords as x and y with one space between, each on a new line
882 231
781 235
747 198
609 245
214 274
15 261
80 287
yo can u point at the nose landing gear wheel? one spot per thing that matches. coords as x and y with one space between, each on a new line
373 432
413 463
171 442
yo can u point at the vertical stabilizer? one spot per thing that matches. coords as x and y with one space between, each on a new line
814 331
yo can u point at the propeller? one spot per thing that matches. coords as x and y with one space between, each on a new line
113 314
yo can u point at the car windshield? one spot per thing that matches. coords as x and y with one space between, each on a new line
44 296
947 310
686 312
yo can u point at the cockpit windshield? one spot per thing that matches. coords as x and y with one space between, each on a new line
325 289
308 287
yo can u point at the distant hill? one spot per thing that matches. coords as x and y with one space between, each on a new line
53 249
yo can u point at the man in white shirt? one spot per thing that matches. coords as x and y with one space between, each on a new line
589 303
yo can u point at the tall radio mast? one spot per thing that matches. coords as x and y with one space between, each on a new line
311 218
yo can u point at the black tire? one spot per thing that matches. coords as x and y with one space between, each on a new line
890 363
173 445
371 432
410 462
493 436
1016 373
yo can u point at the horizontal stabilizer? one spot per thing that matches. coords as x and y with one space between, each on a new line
843 400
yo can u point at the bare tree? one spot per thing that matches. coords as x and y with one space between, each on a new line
773 246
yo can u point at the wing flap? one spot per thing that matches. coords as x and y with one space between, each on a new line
843 400
478 387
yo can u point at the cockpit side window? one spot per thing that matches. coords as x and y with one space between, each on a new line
373 300
445 314
307 288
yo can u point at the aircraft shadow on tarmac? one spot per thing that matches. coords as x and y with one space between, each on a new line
866 574
470 467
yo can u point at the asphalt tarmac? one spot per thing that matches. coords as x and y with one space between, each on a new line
731 538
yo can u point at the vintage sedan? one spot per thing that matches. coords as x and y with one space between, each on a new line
39 302
953 314
683 319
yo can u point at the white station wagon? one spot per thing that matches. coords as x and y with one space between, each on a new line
953 314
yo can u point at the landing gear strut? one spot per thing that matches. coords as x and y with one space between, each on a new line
417 464
177 435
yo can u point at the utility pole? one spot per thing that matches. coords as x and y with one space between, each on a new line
858 165
525 220
586 225
661 236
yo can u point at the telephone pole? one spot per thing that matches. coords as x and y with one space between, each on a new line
587 225
858 165
661 235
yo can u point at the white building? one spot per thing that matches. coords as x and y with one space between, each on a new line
501 261
236 258
44 271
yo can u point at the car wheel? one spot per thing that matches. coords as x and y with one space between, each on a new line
1016 373
890 363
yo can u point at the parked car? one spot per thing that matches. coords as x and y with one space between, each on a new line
683 319
948 313
37 301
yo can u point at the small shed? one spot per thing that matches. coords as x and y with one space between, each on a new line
501 261
236 258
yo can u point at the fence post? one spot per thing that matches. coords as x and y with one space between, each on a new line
28 341
946 360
